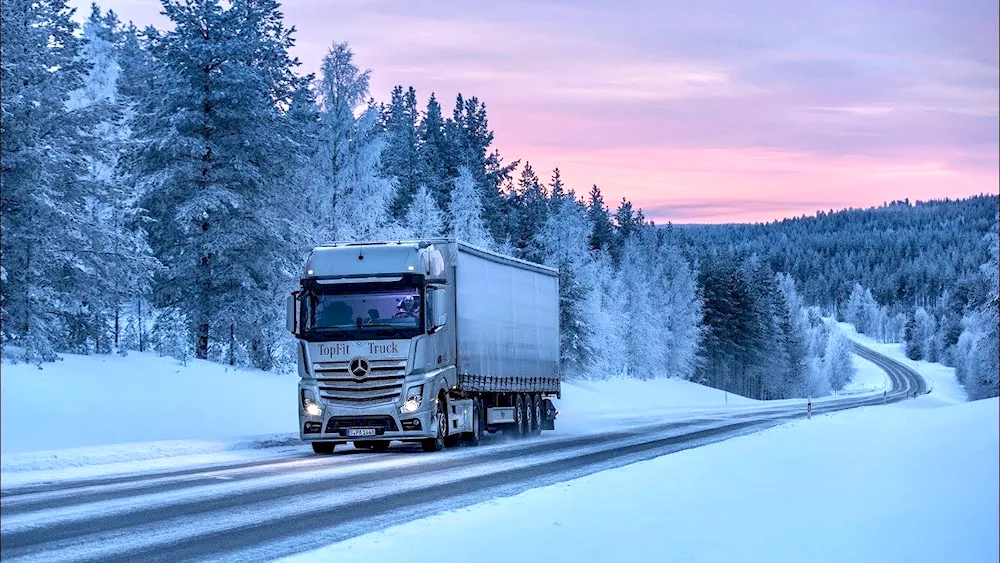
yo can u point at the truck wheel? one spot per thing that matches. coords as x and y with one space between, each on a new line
473 438
536 415
325 448
436 444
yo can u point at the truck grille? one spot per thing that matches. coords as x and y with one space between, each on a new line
382 385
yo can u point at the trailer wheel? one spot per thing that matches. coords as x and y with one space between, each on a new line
521 414
325 448
436 444
473 438
536 414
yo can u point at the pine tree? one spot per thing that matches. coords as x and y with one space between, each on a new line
564 244
435 153
363 196
533 212
606 315
401 159
212 161
466 212
838 363
423 218
603 231
42 147
119 264
644 333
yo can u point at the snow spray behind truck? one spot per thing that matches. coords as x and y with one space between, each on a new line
431 341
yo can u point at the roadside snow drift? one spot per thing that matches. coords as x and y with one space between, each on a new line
876 484
85 401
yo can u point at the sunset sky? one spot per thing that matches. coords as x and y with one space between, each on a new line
698 112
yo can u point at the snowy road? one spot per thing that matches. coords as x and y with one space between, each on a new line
259 510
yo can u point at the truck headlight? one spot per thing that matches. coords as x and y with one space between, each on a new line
309 404
414 396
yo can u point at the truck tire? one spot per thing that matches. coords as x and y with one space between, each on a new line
473 438
521 414
325 448
536 414
436 444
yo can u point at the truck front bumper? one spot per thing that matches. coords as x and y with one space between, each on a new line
340 424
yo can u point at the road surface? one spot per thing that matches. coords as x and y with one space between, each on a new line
260 510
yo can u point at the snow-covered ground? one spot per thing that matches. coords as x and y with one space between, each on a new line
941 381
869 378
88 401
877 484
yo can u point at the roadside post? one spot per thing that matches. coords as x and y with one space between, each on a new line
809 409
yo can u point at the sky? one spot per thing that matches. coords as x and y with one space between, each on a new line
697 112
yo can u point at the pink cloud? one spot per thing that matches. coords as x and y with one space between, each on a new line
726 111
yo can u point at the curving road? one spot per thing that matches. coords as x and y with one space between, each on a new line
259 510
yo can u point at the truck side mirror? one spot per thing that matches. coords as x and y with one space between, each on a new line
437 315
291 312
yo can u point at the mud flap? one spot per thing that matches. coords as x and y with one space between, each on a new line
548 415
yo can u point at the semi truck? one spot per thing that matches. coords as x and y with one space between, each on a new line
429 341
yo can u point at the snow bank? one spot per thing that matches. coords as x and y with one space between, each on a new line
869 378
586 404
835 488
86 401
944 387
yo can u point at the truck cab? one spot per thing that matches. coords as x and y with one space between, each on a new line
374 352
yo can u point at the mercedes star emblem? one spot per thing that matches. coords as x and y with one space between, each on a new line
359 367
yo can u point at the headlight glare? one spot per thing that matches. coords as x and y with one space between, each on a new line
414 396
309 404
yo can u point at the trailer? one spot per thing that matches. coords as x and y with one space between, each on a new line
430 341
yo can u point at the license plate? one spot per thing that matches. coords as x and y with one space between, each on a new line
361 432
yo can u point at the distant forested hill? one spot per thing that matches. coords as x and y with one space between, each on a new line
922 274
907 254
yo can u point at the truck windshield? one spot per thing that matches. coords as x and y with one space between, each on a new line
394 313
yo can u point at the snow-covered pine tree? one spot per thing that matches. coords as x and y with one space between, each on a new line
362 209
794 339
423 218
838 362
466 212
603 232
645 328
119 263
980 362
435 153
564 244
356 196
532 211
605 309
212 161
41 147
401 160
678 289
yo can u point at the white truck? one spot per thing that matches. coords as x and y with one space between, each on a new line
431 341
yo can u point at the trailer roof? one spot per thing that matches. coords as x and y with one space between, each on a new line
464 246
